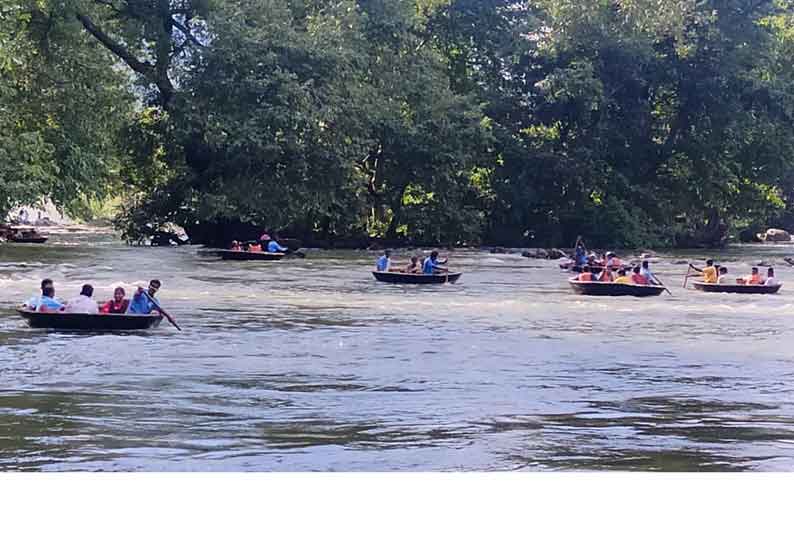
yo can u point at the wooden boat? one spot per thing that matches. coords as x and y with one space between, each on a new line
416 278
737 288
240 255
33 240
610 289
92 322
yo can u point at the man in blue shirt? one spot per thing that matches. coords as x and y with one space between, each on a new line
384 262
33 302
47 302
273 246
432 265
143 302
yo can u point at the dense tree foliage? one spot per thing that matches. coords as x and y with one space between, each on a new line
632 122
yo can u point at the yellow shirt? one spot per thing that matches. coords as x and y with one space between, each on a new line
710 275
623 280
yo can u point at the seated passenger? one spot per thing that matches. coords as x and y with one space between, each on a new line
47 302
770 278
613 261
432 266
586 275
83 304
33 303
236 246
606 275
254 247
622 278
724 278
384 262
414 267
638 278
274 246
646 272
117 305
754 279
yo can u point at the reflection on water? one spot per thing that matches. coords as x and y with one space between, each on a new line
312 365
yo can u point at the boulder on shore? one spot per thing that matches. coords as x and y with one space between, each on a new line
774 235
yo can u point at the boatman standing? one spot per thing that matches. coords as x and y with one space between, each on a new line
384 262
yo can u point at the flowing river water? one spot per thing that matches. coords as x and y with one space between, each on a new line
312 365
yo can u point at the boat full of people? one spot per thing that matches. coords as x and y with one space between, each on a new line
429 270
142 311
715 278
267 249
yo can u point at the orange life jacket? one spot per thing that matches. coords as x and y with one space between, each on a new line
754 279
606 276
255 248
585 277
639 279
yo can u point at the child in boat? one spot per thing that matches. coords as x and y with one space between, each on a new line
47 302
117 305
414 267
770 278
638 278
622 278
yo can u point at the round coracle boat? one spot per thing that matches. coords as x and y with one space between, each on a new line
241 255
737 288
611 289
90 322
416 278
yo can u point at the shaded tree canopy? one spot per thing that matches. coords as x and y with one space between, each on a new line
631 122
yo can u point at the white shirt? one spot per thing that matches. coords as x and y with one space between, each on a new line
771 281
82 305
725 279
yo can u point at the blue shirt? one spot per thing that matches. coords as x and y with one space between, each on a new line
429 267
33 302
49 303
580 257
383 263
273 246
140 304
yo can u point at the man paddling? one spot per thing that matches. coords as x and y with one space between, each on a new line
432 266
645 271
711 272
144 302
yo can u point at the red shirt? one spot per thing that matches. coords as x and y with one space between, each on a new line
111 307
639 279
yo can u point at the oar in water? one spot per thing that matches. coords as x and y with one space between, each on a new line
686 278
662 284
162 311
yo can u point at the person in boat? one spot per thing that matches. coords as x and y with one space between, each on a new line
770 278
638 278
432 266
645 271
711 273
117 305
143 302
47 302
83 304
580 253
613 261
606 275
236 246
255 247
384 262
274 246
622 278
34 302
586 275
414 267
754 279
724 278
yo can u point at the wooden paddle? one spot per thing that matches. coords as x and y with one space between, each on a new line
159 308
687 275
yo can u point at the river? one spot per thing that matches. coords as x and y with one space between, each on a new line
311 365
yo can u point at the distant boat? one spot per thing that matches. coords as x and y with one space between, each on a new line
90 322
737 288
416 278
241 255
32 240
24 235
611 289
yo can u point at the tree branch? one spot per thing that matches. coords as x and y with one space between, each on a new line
138 66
